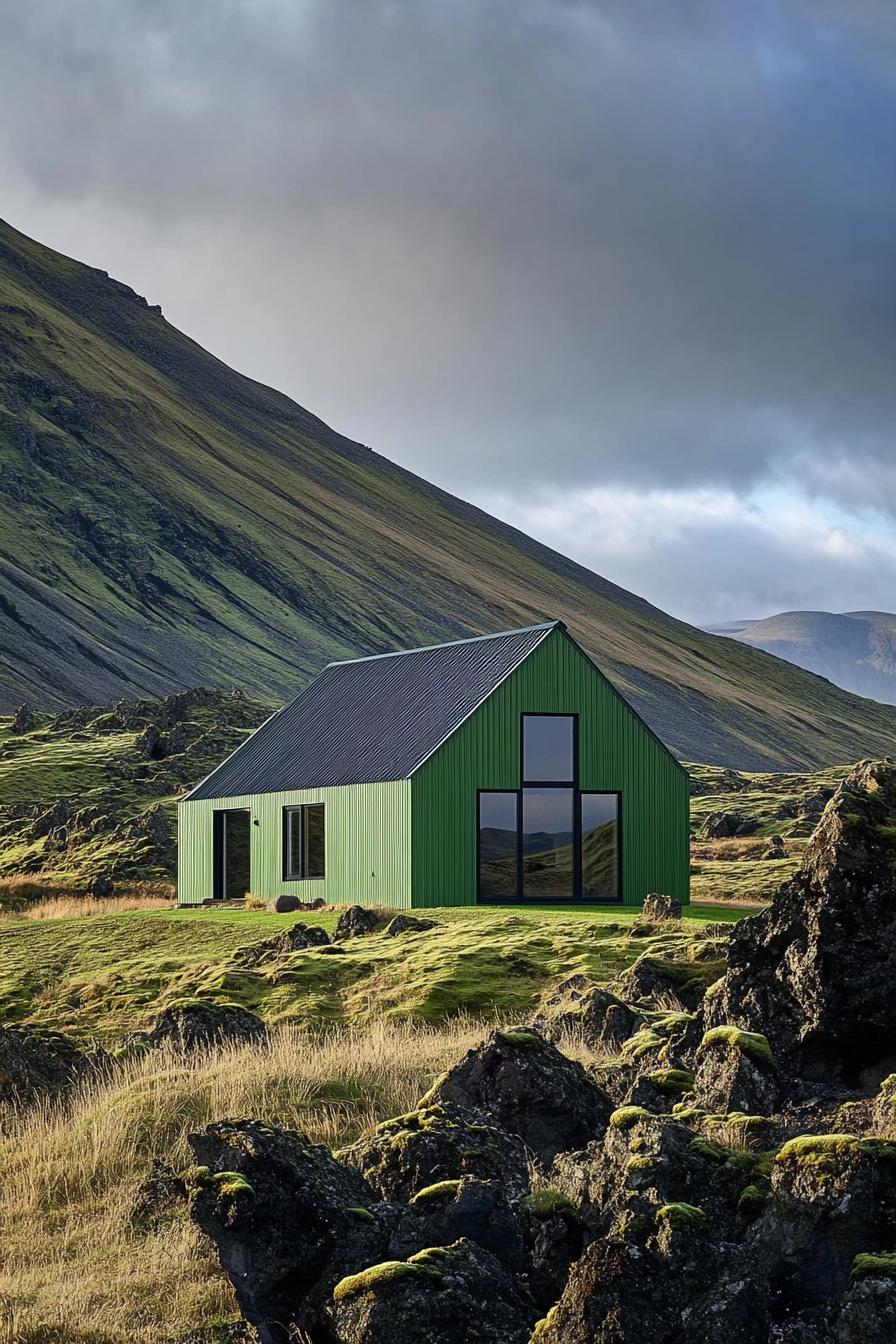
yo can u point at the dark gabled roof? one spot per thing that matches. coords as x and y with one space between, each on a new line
372 719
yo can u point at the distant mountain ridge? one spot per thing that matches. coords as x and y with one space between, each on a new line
166 523
854 649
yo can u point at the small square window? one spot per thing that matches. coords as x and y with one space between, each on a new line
549 744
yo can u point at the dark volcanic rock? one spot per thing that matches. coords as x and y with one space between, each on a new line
724 825
294 939
526 1086
581 1008
24 720
200 1026
438 1143
866 1314
356 922
643 1163
35 1063
834 1198
456 1294
617 1293
159 1195
815 972
735 1072
286 904
652 981
775 849
287 1220
475 1210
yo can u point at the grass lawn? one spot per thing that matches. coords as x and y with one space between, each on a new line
106 975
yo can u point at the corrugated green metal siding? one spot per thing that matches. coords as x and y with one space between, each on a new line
367 837
616 751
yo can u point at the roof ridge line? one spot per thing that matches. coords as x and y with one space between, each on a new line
447 644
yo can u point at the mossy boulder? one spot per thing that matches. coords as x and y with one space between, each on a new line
203 1025
284 1218
735 1070
814 973
529 1089
438 1143
440 1295
35 1062
580 1008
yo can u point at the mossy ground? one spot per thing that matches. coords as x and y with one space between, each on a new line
104 976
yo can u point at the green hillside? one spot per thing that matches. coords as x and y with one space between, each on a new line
165 522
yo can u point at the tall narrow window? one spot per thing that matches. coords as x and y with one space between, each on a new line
303 842
548 845
549 749
498 846
313 840
600 847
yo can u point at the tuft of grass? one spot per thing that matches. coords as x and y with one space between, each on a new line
548 1203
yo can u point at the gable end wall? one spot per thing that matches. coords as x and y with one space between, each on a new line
616 751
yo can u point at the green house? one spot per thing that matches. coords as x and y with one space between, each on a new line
499 769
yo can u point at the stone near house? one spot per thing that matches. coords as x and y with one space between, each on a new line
356 922
658 908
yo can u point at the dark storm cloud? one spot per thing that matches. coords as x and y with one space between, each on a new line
625 243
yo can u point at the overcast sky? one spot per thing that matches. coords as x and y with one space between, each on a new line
622 271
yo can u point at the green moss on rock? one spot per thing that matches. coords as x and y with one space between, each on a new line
682 1216
748 1042
627 1116
753 1199
675 1082
827 1152
378 1277
439 1190
520 1037
874 1267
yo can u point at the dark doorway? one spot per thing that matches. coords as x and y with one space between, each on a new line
231 854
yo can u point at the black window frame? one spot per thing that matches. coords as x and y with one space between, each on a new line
289 811
606 793
525 782
574 784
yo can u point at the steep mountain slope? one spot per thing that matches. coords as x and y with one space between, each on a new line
854 649
165 522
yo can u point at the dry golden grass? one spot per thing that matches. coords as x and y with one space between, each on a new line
72 905
73 1266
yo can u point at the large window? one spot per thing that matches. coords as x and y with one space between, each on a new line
549 749
549 840
498 846
548 845
600 846
303 841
